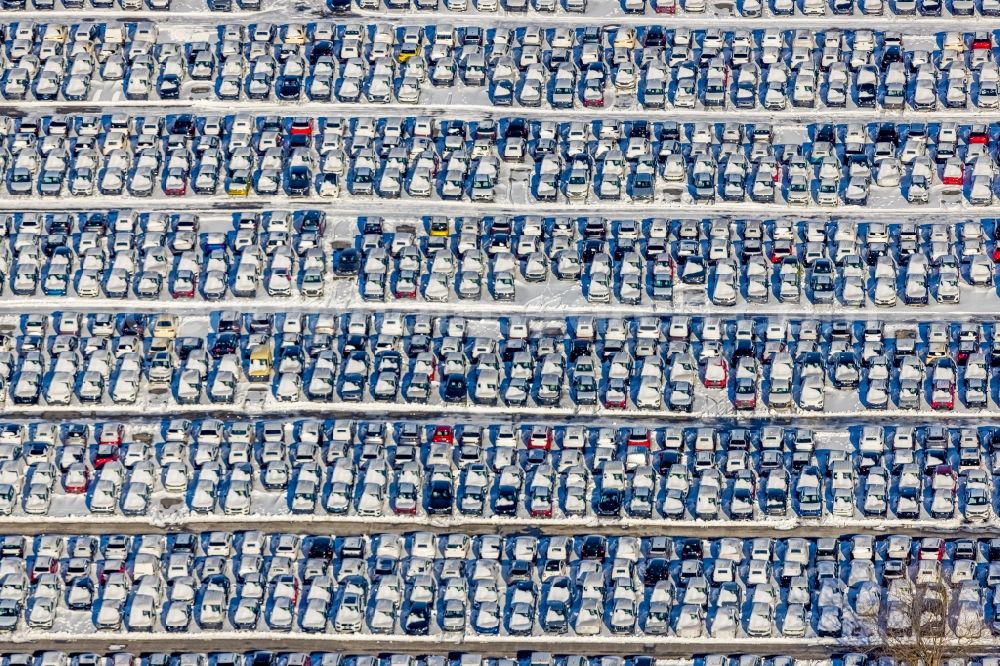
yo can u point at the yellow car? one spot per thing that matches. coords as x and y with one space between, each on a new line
407 51
239 185
439 227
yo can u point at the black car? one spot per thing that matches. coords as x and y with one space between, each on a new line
288 87
694 271
225 343
185 542
320 49
169 86
439 496
590 249
657 569
455 388
183 125
56 244
363 181
312 221
321 547
503 93
594 547
77 434
346 262
692 549
993 550
609 503
97 223
245 623
506 501
299 181
132 324
229 323
846 373
517 128
29 398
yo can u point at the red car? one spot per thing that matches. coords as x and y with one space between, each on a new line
76 479
109 567
945 476
931 548
593 94
443 434
406 286
716 373
540 438
943 395
616 395
302 126
638 437
184 285
781 249
954 174
178 185
105 453
541 505
978 135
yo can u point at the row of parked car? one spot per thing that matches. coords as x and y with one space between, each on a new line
521 658
720 8
278 658
770 69
646 365
419 584
124 254
120 254
653 364
425 158
631 262
559 67
125 5
404 469
267 658
695 8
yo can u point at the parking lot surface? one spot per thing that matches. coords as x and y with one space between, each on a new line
498 332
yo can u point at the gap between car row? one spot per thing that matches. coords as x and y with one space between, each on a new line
47 305
986 313
305 12
361 206
348 525
487 646
499 414
261 405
